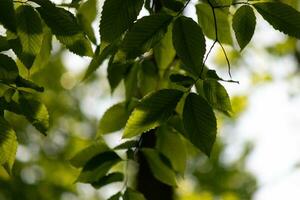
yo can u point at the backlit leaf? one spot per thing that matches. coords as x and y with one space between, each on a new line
243 23
153 110
30 32
145 33
159 169
189 43
113 119
8 145
281 16
117 17
199 123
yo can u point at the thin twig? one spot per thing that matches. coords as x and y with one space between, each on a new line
182 9
227 59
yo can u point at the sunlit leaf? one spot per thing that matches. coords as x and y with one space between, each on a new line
65 27
217 96
30 32
206 21
35 112
170 144
8 145
153 110
159 169
113 119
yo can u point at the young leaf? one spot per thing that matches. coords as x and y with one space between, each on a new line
159 169
164 51
131 194
153 110
82 157
64 26
217 96
8 145
86 14
171 145
189 43
206 21
199 123
35 112
117 17
110 178
7 15
8 69
243 24
145 33
281 16
113 119
98 166
30 32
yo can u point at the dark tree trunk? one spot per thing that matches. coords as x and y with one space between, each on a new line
146 183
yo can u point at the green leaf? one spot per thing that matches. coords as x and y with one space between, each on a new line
115 196
183 80
7 15
148 77
86 14
21 82
98 166
174 5
98 58
8 145
131 81
114 119
30 32
127 145
131 194
35 112
42 58
281 16
8 69
243 23
82 157
65 27
206 21
217 96
145 33
153 110
117 17
110 178
164 51
115 73
199 123
189 43
170 144
159 169
4 45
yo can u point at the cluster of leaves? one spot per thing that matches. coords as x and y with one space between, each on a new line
159 57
